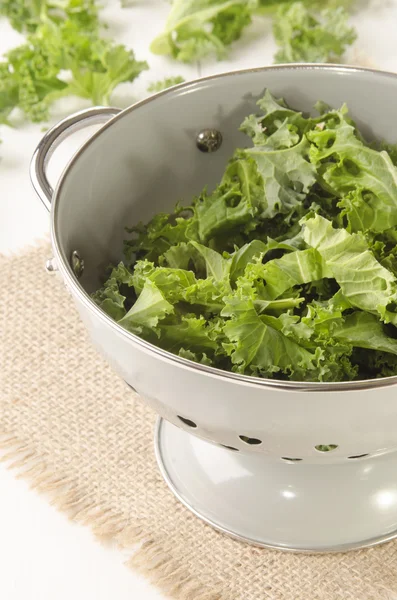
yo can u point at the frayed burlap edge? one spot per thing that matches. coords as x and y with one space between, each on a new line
150 559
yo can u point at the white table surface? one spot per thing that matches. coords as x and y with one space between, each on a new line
44 556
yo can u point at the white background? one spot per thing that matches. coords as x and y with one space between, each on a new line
42 555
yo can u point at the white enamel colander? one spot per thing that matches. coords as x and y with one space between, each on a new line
297 466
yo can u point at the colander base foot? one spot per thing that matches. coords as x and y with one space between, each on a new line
300 507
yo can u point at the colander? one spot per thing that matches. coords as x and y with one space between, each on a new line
298 466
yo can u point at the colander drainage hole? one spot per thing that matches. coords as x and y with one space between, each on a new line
249 440
291 460
358 456
326 447
187 422
229 447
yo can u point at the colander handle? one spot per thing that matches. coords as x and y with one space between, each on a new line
54 137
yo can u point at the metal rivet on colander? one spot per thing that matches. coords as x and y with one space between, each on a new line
51 266
77 264
209 140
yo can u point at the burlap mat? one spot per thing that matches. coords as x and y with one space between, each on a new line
78 434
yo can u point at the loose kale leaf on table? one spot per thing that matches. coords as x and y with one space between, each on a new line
65 54
198 28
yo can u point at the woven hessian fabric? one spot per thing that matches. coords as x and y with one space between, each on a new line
79 435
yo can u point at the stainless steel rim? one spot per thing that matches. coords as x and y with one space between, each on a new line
83 297
253 542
